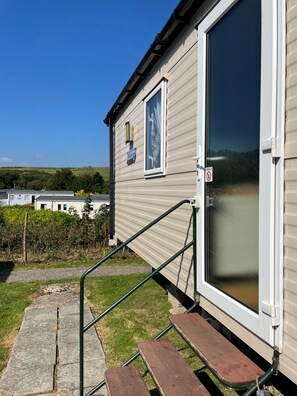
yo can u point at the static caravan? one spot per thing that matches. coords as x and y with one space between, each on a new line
210 115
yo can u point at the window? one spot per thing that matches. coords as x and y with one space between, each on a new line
154 130
42 206
64 206
12 197
59 206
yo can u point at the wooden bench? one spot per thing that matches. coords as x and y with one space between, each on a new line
228 363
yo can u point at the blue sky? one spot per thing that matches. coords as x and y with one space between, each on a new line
63 64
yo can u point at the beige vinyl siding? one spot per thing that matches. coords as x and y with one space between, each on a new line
288 361
291 81
139 200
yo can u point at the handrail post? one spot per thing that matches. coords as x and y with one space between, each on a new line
194 230
81 336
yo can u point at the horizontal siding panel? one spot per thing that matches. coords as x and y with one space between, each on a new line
290 331
290 303
292 10
182 112
291 348
290 282
181 129
290 259
172 231
291 83
291 242
288 359
288 367
292 35
139 202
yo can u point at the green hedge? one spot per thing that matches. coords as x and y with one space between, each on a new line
49 231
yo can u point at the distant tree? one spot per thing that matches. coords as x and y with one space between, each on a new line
90 182
98 185
87 208
8 179
63 179
101 221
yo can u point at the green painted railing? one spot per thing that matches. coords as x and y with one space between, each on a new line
83 328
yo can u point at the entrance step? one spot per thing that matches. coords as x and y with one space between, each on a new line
169 371
124 381
228 363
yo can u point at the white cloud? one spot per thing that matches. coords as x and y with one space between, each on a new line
5 160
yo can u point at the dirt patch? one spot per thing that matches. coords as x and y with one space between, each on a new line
57 295
10 339
59 288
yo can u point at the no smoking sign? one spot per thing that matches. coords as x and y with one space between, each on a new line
208 174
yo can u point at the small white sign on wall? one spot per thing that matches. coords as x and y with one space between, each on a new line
208 174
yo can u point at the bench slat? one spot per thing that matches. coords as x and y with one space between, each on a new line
170 372
124 381
230 365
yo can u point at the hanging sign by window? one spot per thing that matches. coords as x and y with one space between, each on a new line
131 156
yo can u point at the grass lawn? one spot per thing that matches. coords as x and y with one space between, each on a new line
72 264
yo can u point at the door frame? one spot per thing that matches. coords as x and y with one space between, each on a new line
262 324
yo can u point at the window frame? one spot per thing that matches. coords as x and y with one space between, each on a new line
160 171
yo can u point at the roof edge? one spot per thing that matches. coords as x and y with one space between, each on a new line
180 17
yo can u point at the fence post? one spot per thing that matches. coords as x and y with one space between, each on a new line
25 239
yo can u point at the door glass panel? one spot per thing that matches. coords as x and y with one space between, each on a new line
232 152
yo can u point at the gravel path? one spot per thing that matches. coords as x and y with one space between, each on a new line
68 273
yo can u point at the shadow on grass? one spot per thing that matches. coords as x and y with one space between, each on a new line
207 382
6 267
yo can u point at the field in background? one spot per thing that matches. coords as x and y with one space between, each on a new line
103 170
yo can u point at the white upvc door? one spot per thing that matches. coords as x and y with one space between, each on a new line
238 149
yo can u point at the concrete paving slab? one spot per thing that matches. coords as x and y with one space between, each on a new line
72 320
41 315
68 374
40 336
35 327
71 309
69 353
72 335
28 380
32 354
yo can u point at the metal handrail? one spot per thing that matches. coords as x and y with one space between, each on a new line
82 328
